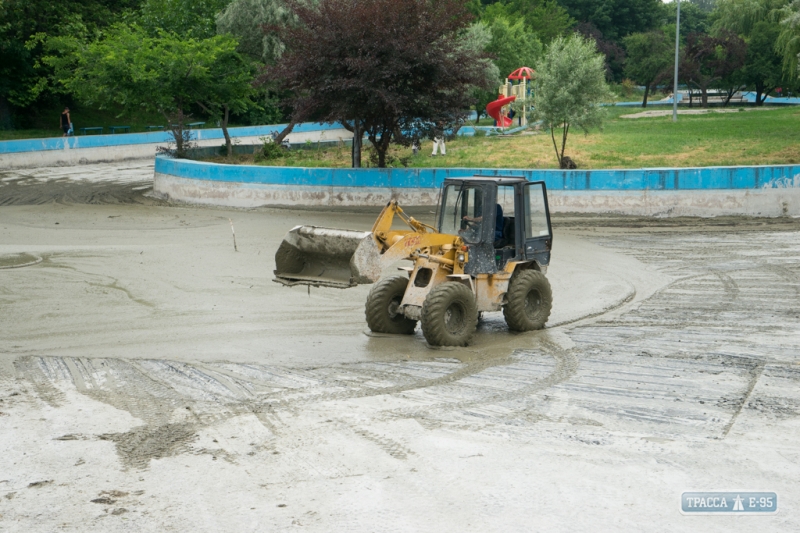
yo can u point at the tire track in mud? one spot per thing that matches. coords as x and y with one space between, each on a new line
710 328
566 365
30 191
755 374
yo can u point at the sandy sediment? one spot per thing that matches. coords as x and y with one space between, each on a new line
152 377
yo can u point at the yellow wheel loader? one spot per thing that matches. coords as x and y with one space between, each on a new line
489 252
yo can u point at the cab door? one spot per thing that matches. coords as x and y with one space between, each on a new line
536 238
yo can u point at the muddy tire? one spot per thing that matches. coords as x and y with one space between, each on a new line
449 315
528 301
382 307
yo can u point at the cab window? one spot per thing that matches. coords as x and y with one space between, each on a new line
462 212
536 221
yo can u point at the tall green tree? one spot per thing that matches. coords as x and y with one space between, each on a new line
512 45
252 22
23 26
694 19
476 40
616 18
788 43
569 88
547 19
130 69
762 68
649 55
741 16
188 18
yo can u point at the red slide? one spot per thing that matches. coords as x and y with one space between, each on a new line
493 110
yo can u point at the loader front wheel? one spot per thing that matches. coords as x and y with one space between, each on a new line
383 305
449 315
528 301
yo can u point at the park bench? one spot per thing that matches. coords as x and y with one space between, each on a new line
97 129
115 129
151 128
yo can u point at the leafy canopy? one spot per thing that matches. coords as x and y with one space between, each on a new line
569 88
247 20
649 55
388 68
130 69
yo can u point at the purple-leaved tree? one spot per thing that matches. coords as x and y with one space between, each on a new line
390 70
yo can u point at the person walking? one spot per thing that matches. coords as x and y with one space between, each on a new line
66 122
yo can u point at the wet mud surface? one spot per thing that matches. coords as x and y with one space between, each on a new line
153 377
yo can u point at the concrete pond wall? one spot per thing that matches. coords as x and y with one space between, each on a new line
709 191
87 149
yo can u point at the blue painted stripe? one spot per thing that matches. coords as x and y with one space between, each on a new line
121 139
658 179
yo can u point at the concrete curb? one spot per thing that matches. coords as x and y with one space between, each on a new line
715 191
69 151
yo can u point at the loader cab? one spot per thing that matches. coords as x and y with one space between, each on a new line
500 219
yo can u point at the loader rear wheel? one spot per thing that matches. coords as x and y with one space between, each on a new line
529 299
383 305
449 315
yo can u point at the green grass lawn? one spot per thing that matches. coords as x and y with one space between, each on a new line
757 137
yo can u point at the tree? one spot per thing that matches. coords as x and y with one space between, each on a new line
246 19
512 45
379 67
22 23
694 19
569 88
762 67
649 55
741 16
187 18
707 60
476 39
129 69
788 43
545 18
616 18
225 87
706 6
613 52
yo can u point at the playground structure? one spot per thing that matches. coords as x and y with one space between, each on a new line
510 92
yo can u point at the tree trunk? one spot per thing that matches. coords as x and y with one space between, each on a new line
564 141
225 116
356 150
555 146
382 148
761 93
176 128
704 97
646 92
286 131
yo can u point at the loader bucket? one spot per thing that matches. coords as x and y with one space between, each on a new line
325 257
